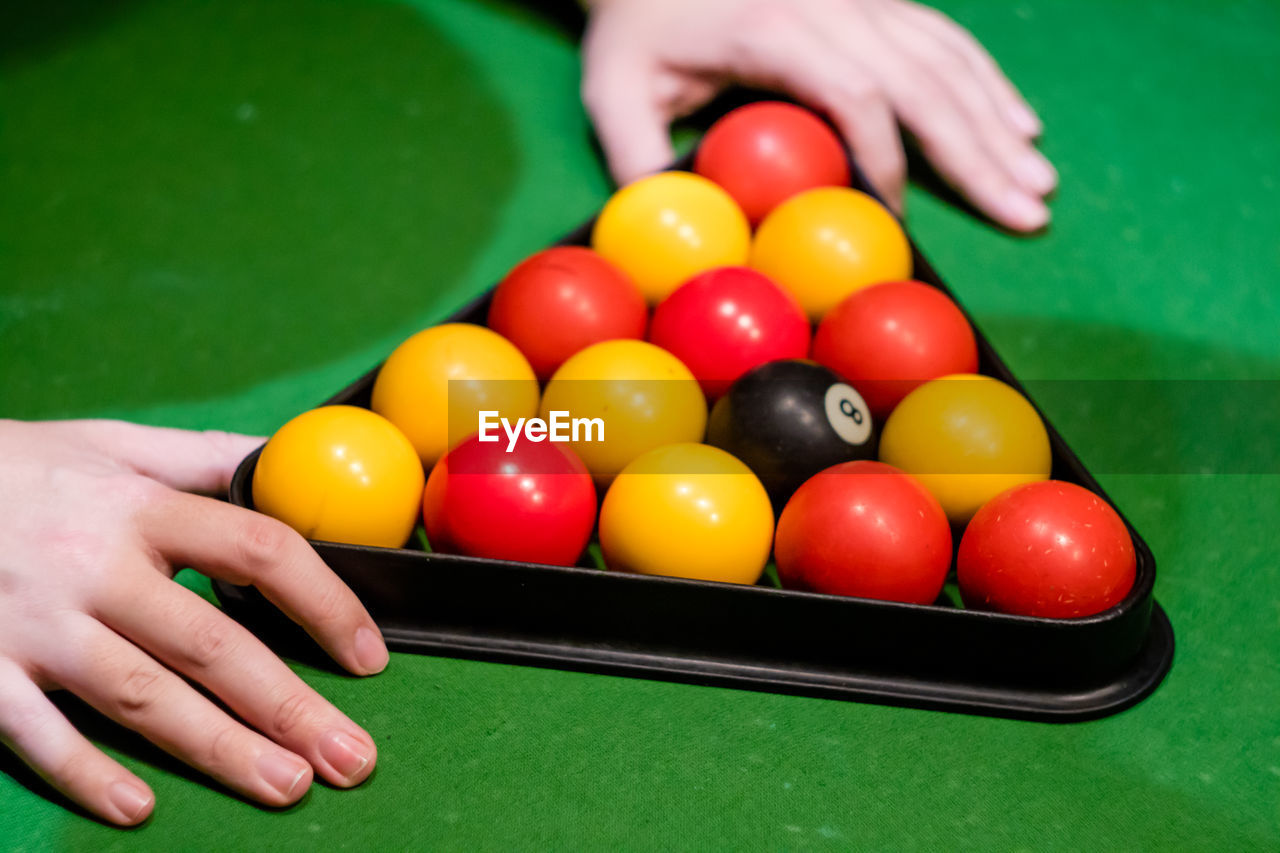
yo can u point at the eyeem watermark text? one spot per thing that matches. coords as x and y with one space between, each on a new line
559 427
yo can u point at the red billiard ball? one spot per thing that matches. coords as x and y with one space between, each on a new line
562 300
864 529
1050 549
534 504
726 321
887 339
766 152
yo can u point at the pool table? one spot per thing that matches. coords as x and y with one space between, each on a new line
215 214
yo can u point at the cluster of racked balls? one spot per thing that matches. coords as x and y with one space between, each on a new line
873 436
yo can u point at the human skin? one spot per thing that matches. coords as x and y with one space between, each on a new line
869 65
97 517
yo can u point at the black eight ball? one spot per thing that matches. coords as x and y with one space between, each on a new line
788 420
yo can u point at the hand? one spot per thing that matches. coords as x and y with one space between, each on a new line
96 516
868 64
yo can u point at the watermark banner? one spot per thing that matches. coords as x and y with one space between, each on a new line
1129 427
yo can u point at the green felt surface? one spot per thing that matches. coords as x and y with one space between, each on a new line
213 214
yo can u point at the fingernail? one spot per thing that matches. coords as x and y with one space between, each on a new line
1025 120
1035 173
1019 210
129 799
371 651
282 772
345 754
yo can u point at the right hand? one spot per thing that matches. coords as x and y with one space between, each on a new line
868 64
97 516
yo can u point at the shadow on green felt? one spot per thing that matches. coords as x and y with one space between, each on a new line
216 178
1129 402
31 30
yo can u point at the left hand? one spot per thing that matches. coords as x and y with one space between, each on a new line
97 518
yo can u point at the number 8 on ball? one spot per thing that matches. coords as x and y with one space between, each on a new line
788 420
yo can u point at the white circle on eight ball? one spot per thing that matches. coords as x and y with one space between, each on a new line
848 414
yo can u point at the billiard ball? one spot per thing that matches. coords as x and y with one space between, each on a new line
726 321
788 420
1050 549
967 438
690 511
888 339
766 152
435 384
864 529
664 229
533 502
341 474
561 300
825 243
642 396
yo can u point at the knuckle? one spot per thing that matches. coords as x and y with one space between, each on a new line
913 104
979 171
211 642
222 747
859 93
331 607
984 182
76 766
264 544
98 579
132 491
963 164
139 691
947 137
293 713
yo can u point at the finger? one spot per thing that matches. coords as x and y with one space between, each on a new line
954 76
190 461
929 112
964 162
631 123
246 548
792 58
1013 107
944 131
685 93
215 651
130 687
46 742
864 118
951 143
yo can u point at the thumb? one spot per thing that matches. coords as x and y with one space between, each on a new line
629 122
189 461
